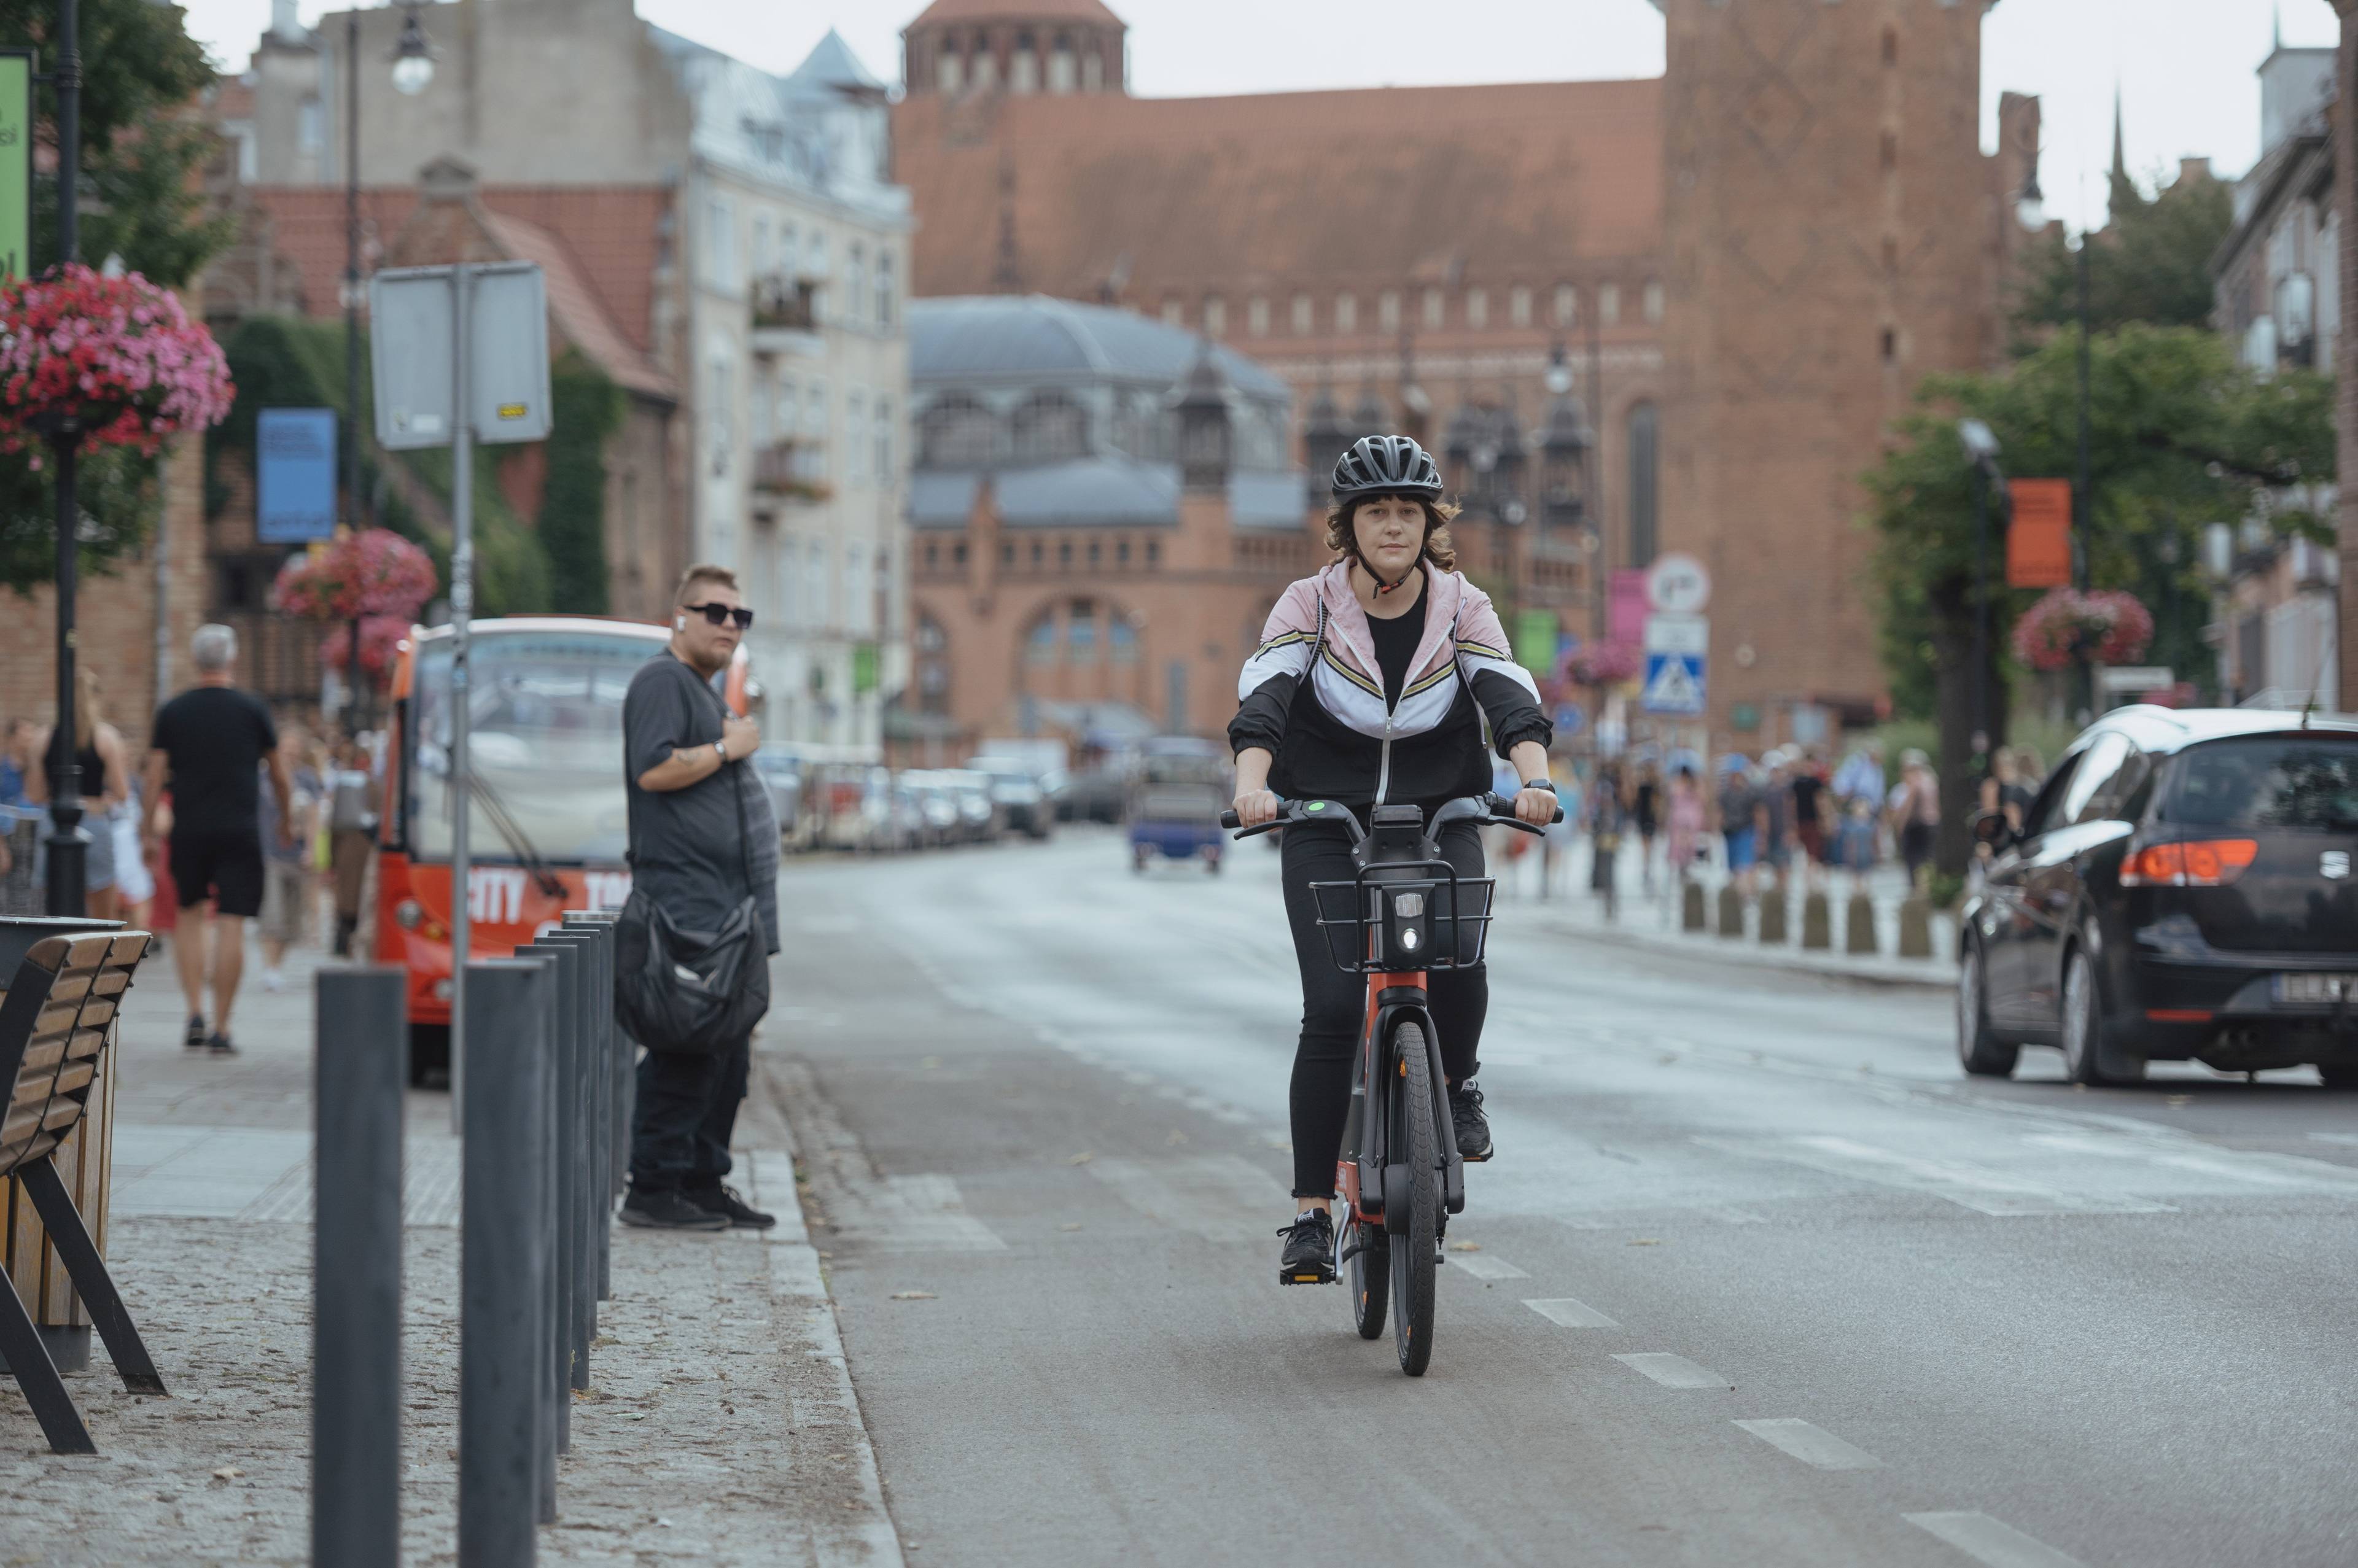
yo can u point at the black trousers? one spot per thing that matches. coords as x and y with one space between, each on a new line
685 1112
1335 1001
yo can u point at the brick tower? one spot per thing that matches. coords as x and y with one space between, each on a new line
1831 229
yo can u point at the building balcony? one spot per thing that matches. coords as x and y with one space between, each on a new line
790 469
784 317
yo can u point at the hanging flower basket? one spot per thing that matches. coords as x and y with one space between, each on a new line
114 360
1602 665
380 637
374 572
2106 627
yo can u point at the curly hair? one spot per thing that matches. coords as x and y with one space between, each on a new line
1439 548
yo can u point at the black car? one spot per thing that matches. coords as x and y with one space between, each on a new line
2183 888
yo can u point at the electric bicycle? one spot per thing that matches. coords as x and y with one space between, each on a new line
1405 914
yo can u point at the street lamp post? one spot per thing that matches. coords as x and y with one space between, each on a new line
413 72
68 847
1982 449
2030 208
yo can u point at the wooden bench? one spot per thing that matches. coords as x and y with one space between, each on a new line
55 1022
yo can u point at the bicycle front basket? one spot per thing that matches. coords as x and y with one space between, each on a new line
1409 919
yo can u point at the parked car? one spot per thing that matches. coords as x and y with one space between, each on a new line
781 776
1093 794
934 804
1174 809
980 819
1023 804
2183 888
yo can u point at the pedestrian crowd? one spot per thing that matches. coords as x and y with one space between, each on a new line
232 815
1792 813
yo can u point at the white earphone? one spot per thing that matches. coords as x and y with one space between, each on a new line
679 622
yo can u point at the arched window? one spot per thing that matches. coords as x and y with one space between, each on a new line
1064 71
1081 631
1121 639
1023 71
1040 642
1644 444
950 65
1567 305
1050 428
956 433
933 665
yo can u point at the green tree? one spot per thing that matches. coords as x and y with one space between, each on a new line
2151 263
2180 438
143 148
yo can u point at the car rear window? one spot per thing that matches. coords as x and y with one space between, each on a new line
2276 781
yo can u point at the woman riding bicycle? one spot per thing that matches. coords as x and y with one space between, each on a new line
1369 686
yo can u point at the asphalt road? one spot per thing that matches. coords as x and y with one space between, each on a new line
1760 1278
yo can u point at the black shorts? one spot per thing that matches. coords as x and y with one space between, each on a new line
223 866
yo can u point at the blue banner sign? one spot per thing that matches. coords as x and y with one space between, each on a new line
295 475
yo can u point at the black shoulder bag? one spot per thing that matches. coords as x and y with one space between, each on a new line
693 993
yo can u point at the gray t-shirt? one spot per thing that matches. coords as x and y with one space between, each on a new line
689 852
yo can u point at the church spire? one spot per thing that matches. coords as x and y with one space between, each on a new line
2120 143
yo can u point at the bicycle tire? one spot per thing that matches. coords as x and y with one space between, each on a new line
1370 1279
1414 1250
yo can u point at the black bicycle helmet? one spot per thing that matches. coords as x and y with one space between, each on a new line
1386 465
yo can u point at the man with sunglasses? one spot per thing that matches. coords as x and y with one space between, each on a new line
702 838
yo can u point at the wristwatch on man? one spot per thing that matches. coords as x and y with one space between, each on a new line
721 749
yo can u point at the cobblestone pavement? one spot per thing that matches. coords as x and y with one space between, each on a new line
719 1428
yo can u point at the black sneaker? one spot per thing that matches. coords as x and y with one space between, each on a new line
724 1201
1309 1255
197 1035
1472 1127
218 1044
669 1211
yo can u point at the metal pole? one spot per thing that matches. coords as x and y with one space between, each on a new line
598 1133
67 845
1598 590
2084 499
355 712
462 610
356 1267
565 1017
504 1248
1981 619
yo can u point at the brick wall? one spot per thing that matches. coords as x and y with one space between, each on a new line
118 619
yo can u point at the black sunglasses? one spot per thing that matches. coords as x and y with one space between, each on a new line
721 614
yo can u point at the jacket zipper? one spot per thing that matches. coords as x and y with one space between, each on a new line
1384 768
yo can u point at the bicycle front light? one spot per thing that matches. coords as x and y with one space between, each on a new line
1408 934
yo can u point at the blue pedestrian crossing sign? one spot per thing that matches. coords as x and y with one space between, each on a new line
1674 684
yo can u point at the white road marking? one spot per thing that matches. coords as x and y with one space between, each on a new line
1811 1445
2259 1168
1726 1215
2335 1137
1218 1197
1674 1371
1990 1542
1574 1313
1482 1266
1961 1181
911 1214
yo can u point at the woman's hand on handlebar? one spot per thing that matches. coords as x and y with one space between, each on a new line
1536 805
1256 807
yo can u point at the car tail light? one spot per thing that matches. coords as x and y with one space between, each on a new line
2190 863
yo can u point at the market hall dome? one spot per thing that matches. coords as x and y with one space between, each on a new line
960 46
1074 411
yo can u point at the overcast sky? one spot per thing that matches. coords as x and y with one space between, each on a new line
2184 67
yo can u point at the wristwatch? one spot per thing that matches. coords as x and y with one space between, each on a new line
721 749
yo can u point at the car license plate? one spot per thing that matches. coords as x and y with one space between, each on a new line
2315 990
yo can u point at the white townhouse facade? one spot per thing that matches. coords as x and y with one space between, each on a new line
796 256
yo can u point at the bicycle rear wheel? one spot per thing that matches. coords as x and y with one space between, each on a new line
1371 1278
1414 1144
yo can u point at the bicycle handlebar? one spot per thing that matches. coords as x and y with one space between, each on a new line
1492 808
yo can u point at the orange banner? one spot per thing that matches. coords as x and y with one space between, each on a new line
2038 541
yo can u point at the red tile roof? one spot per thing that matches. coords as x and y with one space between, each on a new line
611 232
1363 189
580 315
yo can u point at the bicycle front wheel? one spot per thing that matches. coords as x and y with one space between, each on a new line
1414 1245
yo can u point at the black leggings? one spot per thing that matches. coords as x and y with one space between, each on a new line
1335 1001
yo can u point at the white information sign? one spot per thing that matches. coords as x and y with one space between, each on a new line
1676 584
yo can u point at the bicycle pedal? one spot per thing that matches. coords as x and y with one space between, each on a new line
1303 1277
1482 1159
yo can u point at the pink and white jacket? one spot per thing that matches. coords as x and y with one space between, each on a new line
1313 695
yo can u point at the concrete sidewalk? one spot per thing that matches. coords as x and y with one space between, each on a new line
721 1428
1651 919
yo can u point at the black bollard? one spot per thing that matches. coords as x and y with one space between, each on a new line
360 1067
572 964
583 1066
604 1037
505 1252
